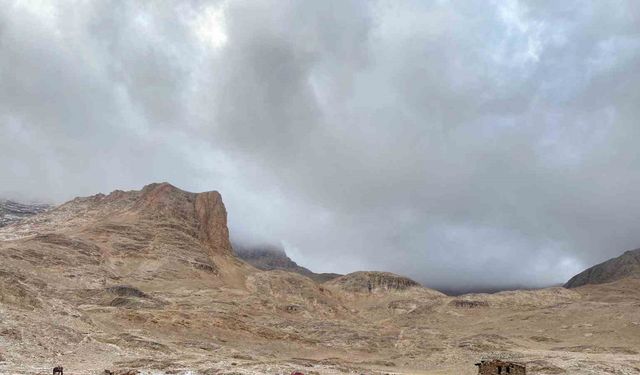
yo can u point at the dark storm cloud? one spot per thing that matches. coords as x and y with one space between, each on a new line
434 139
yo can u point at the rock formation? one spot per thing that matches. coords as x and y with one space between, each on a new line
371 282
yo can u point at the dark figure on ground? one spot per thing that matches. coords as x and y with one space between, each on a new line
58 370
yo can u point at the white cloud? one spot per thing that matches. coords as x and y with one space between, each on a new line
210 25
425 138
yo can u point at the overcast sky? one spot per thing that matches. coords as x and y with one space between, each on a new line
461 143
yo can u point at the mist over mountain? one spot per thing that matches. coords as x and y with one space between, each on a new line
267 258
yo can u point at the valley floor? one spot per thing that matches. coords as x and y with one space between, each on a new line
592 330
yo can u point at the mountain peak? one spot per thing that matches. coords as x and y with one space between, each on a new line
205 209
626 265
160 189
161 207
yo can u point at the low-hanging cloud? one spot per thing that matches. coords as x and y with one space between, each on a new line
483 144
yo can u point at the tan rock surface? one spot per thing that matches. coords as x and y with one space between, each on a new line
147 280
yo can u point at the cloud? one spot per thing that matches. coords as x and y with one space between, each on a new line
463 144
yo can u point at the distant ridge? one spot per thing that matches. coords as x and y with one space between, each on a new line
625 266
269 258
12 212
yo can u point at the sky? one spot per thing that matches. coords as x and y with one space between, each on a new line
466 144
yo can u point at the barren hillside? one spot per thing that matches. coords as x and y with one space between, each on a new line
147 280
626 265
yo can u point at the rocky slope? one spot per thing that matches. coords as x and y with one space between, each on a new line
625 266
268 258
147 280
12 212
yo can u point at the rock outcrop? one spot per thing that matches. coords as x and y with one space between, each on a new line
625 266
371 282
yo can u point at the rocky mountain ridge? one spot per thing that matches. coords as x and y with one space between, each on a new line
268 258
626 265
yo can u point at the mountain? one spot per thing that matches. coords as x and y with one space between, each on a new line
269 258
625 266
11 212
158 231
148 281
113 271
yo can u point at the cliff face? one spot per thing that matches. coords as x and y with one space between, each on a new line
211 216
204 213
625 266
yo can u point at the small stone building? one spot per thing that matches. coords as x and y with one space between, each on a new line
498 367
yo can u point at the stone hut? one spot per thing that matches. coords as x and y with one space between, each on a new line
498 367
